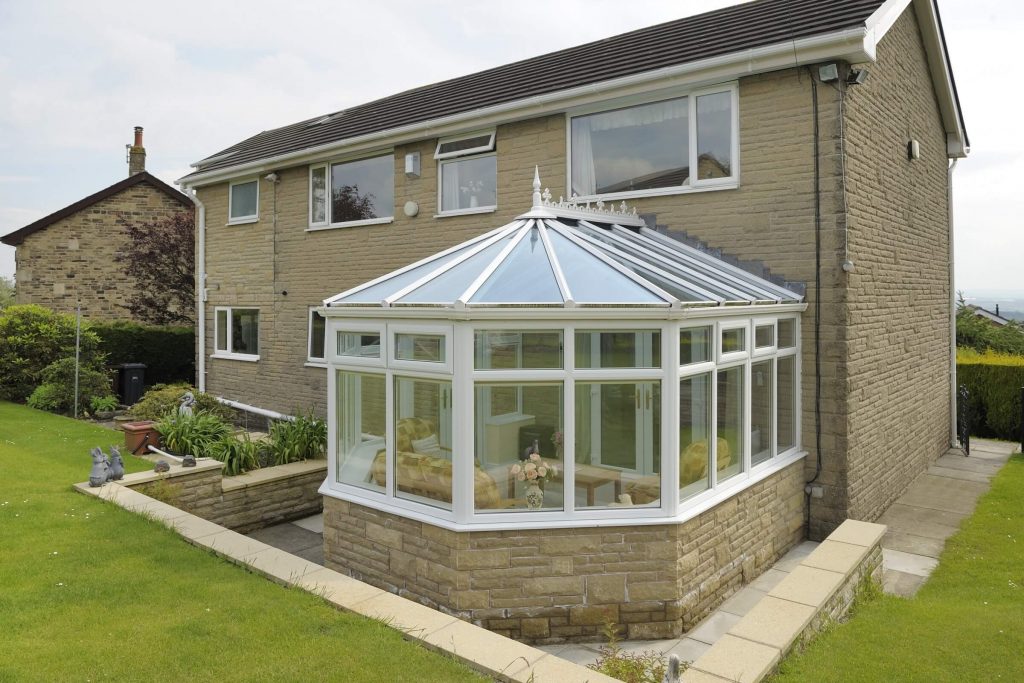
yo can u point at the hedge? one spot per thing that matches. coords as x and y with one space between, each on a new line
168 352
994 381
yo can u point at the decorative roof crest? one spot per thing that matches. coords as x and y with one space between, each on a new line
573 205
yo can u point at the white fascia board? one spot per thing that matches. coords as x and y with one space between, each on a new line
852 45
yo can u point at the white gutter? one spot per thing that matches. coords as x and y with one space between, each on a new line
272 414
854 45
952 312
200 291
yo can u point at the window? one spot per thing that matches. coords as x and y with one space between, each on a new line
620 349
787 333
358 344
467 175
243 201
734 340
764 336
761 388
362 460
649 148
506 349
352 192
237 332
317 333
730 423
423 441
694 345
694 434
428 348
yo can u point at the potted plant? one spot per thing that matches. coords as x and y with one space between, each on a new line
533 471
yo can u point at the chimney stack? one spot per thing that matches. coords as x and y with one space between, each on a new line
137 154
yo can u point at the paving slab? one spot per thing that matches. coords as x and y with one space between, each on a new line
857 533
960 473
808 586
343 591
902 584
768 580
314 523
193 528
913 544
985 466
315 554
907 562
577 653
688 649
695 676
836 557
405 615
920 521
289 537
940 493
231 544
792 559
743 600
738 659
774 622
714 627
280 566
476 645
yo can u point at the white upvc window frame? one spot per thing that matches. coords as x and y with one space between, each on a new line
726 358
470 151
424 366
761 351
446 158
227 353
328 224
310 358
354 327
795 351
693 184
241 220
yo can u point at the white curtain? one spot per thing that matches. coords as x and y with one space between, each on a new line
584 178
450 186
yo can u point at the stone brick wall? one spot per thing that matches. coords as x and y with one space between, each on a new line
898 339
243 503
73 259
556 585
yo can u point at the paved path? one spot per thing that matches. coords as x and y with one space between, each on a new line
303 537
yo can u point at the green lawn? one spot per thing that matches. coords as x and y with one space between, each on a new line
91 592
965 624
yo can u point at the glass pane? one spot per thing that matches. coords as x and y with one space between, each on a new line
636 148
505 350
513 421
359 344
618 444
469 183
363 189
361 434
450 285
465 143
382 290
787 403
730 423
593 281
787 333
428 348
243 199
694 432
734 340
525 276
318 195
317 330
245 330
222 330
764 336
714 135
761 411
423 447
625 349
694 345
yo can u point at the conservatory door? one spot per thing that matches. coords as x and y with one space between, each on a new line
626 429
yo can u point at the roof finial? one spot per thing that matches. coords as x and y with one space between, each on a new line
536 188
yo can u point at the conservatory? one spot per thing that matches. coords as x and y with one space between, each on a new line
571 368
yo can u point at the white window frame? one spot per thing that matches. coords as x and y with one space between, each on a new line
228 353
329 224
759 351
239 220
431 367
724 358
310 358
693 184
471 151
445 158
356 327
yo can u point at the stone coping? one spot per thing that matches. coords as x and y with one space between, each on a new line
492 654
752 648
148 476
263 475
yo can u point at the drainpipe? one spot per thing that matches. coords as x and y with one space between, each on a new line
952 311
201 291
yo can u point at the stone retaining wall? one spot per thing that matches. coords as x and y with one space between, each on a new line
243 503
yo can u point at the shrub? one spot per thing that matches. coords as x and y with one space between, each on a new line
100 404
238 455
167 352
303 438
162 399
640 667
192 434
32 338
57 392
994 382
48 397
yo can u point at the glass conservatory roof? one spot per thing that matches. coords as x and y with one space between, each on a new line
561 254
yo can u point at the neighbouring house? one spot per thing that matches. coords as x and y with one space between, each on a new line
760 351
989 316
68 258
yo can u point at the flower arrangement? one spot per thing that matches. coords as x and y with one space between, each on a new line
535 469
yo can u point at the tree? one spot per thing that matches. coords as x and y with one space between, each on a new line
6 292
160 256
350 205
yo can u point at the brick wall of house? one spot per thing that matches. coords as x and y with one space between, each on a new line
72 260
899 293
555 585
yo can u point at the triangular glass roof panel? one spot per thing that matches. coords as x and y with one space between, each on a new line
593 281
447 287
524 275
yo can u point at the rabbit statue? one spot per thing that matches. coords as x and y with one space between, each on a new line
116 465
100 468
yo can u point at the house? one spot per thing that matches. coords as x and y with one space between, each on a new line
68 257
989 316
760 351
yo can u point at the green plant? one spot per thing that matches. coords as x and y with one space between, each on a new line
993 383
48 397
57 392
238 454
302 438
640 667
162 490
192 434
100 404
167 352
162 399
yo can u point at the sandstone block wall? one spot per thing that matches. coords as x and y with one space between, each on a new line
557 585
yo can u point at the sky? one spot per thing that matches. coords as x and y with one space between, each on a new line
76 77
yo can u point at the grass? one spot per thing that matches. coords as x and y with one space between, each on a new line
91 592
965 624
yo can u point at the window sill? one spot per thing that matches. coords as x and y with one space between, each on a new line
352 224
249 358
315 364
466 212
244 221
723 184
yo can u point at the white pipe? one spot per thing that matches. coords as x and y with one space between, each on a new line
952 311
272 414
200 291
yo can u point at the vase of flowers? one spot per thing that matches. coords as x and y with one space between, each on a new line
533 471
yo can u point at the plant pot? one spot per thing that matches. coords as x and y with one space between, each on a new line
534 496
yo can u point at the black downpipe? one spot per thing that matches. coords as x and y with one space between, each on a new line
817 299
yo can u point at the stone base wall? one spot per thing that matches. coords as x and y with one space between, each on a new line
244 503
558 585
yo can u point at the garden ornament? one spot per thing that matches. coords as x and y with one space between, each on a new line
116 465
187 401
100 468
161 466
188 461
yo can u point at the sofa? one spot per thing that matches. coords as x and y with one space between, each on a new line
693 466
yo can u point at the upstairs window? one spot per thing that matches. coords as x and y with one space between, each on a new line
653 148
352 192
243 201
467 173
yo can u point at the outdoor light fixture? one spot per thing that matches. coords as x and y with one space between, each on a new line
828 73
913 150
856 76
271 177
412 165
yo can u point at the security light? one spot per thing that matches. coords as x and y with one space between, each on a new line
856 76
828 73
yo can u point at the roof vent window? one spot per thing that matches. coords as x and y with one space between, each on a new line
462 146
